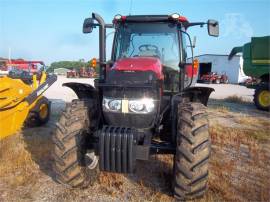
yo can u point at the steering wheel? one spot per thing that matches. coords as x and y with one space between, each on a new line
147 47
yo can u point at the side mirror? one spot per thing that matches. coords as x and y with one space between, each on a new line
213 28
88 25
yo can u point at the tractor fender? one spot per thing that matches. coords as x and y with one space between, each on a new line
198 93
82 90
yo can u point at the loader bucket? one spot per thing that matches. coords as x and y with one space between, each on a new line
16 101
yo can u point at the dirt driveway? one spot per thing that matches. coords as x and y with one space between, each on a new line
239 166
56 91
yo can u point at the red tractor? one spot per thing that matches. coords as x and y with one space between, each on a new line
213 77
143 103
72 74
87 72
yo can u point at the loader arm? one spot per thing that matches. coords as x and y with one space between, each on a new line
41 89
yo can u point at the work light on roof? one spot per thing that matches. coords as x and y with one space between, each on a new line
175 16
118 17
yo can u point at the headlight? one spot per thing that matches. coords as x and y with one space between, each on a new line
145 105
112 105
141 106
115 105
136 106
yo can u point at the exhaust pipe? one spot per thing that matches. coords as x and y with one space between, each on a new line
102 44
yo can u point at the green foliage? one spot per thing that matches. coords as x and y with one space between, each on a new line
71 65
68 64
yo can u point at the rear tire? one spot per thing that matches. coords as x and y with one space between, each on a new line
192 151
74 165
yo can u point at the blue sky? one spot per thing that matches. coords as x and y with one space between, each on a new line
52 30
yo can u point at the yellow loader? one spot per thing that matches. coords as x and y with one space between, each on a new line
22 102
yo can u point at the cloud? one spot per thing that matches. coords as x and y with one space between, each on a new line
235 25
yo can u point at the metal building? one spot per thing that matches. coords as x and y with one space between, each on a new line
221 65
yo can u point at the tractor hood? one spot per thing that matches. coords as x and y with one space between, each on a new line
131 79
140 64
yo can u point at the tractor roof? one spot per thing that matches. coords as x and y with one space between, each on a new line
150 18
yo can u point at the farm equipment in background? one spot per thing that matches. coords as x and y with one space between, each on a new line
143 103
3 70
24 70
256 55
213 77
33 67
21 68
72 74
251 81
21 101
84 72
87 72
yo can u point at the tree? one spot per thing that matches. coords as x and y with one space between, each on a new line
67 65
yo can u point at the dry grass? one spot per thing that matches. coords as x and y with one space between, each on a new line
22 160
239 168
240 164
260 127
222 109
16 167
235 99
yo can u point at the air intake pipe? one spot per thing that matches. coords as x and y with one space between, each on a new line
102 44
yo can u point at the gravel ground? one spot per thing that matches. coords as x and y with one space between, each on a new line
225 90
57 91
238 168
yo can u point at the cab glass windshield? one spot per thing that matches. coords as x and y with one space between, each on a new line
148 40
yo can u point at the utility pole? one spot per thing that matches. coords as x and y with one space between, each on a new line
9 54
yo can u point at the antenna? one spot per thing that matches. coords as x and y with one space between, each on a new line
130 6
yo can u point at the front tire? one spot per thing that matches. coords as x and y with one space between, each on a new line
40 114
75 165
192 151
262 97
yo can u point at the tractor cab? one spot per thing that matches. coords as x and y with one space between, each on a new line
160 37
140 42
148 62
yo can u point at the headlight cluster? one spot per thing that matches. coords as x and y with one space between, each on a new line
143 106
